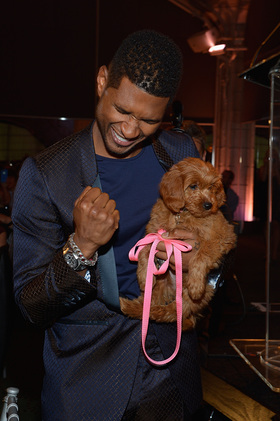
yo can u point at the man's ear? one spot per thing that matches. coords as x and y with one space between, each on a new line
102 78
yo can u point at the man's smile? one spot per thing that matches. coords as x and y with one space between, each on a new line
121 140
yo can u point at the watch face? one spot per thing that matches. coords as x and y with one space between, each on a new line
71 260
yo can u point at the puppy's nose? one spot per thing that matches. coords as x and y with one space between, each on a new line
207 205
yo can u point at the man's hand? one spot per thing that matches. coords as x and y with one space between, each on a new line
183 235
96 219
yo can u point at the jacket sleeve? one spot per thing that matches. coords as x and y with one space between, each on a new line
45 287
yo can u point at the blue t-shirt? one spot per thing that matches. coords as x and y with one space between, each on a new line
133 184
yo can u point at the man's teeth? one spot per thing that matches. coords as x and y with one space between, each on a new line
120 138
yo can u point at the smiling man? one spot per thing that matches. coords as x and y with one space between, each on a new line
80 206
133 116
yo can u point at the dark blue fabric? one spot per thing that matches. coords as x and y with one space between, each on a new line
91 354
133 184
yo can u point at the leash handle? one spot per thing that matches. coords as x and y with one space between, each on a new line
171 245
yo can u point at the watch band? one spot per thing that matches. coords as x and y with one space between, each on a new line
75 258
82 258
72 259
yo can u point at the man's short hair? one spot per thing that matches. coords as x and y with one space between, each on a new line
150 60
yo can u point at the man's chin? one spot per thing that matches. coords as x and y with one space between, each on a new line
125 152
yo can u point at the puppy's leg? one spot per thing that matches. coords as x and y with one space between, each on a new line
199 268
229 239
165 308
164 312
168 314
208 257
132 308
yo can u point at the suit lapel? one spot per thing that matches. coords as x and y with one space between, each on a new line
163 157
107 270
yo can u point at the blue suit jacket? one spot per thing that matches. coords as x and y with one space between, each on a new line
91 349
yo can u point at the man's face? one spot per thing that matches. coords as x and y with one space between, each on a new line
124 117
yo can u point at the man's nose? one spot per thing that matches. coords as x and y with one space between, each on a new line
130 127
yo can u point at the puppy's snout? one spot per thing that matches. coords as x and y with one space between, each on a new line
207 205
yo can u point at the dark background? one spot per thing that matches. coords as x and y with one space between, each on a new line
50 51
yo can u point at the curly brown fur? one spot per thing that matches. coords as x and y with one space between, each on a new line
191 195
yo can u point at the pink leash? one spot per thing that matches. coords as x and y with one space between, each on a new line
170 245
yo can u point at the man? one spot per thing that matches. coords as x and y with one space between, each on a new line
198 135
94 366
232 198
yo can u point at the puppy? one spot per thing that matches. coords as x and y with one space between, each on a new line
191 193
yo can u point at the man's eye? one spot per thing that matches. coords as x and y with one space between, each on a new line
150 122
121 111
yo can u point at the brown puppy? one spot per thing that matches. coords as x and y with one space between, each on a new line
191 195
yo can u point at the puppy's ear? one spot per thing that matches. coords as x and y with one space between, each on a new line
221 196
172 190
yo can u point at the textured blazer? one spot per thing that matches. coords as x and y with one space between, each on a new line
91 349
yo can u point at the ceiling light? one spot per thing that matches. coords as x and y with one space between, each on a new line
217 50
202 41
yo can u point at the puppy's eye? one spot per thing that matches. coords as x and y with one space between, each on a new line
193 186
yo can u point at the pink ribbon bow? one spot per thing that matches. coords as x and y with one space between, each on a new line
170 245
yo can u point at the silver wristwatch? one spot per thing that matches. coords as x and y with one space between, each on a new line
72 259
75 258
